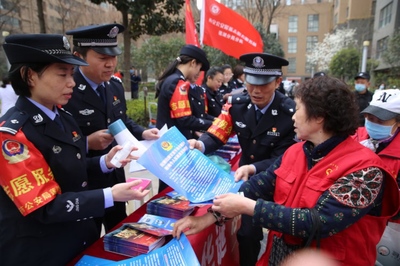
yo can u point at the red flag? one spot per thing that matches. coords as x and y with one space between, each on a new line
228 31
191 33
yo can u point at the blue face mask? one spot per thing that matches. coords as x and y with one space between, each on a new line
360 87
378 132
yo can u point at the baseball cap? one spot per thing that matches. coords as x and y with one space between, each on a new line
385 104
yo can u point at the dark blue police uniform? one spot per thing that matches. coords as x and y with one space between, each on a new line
215 101
92 115
56 232
262 141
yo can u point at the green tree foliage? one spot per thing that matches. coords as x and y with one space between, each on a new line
155 55
218 58
344 64
392 55
151 17
271 43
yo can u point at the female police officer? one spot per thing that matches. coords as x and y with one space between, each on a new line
46 210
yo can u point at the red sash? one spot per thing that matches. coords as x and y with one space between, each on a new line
25 176
222 125
179 104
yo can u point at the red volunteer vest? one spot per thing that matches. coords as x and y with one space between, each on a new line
298 187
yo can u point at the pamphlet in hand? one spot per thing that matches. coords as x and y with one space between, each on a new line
187 171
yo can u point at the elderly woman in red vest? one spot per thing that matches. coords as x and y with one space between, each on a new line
381 135
326 192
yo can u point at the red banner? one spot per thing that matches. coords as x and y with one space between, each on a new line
228 31
191 32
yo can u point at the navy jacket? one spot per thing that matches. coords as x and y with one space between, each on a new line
53 234
89 112
264 141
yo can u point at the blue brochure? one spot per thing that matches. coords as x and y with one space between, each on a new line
175 252
187 171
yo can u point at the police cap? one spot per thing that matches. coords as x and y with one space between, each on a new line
262 68
40 48
100 38
196 53
319 74
362 75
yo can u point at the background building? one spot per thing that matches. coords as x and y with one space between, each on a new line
386 24
22 16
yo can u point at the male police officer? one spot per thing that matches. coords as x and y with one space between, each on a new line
263 123
363 95
98 100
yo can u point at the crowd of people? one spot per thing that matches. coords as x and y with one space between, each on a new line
320 164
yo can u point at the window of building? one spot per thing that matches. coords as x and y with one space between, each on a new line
385 16
292 65
293 23
308 68
311 43
292 44
288 2
11 21
381 46
313 23
335 20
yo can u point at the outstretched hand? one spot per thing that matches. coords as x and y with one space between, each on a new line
190 225
124 191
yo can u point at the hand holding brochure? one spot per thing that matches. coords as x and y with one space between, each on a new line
187 171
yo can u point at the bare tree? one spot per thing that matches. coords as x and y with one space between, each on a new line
261 11
69 12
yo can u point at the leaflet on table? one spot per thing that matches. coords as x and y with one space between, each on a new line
175 252
87 260
187 171
134 166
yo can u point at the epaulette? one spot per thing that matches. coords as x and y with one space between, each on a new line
288 106
14 123
116 79
235 99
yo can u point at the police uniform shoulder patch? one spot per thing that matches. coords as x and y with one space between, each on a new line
115 78
14 122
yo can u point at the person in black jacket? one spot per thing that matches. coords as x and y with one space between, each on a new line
197 98
226 86
98 100
211 84
264 126
47 210
363 95
172 91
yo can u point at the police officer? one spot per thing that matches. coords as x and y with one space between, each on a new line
212 82
197 99
263 123
98 100
46 208
172 91
363 95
